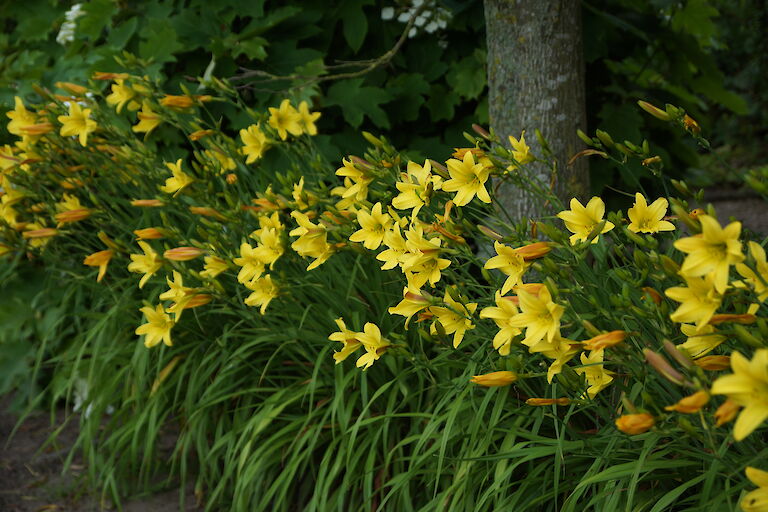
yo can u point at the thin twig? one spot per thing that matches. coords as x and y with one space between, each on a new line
368 65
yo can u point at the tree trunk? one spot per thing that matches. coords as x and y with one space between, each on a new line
536 80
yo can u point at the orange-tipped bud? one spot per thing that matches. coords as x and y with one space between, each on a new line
36 129
654 111
495 379
199 134
460 152
548 401
534 251
726 412
200 299
77 90
481 131
490 233
532 288
173 101
652 160
147 203
206 212
602 341
72 215
744 319
713 363
148 234
690 404
231 178
691 125
183 253
100 75
40 233
653 294
633 424
662 366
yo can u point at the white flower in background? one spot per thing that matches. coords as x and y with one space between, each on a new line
67 32
431 19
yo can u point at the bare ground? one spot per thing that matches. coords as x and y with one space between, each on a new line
33 477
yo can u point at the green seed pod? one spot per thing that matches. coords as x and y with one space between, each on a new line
585 138
744 335
373 140
605 138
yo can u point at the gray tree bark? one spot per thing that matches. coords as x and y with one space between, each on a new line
536 80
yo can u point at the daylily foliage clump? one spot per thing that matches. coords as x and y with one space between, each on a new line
652 315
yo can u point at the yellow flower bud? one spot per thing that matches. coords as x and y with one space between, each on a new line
726 412
548 401
633 424
654 111
183 253
690 404
495 379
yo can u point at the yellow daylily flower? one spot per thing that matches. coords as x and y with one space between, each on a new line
347 337
414 300
255 143
454 318
540 316
285 119
421 262
416 187
505 310
581 220
757 278
467 180
521 152
264 290
148 119
699 301
78 123
175 184
648 219
700 341
510 262
373 227
308 118
158 326
396 248
597 376
713 251
748 387
147 263
251 265
213 267
757 500
373 343
99 259
19 117
122 95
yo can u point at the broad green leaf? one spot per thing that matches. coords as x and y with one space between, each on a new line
467 78
98 14
441 102
357 101
696 19
159 41
355 24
